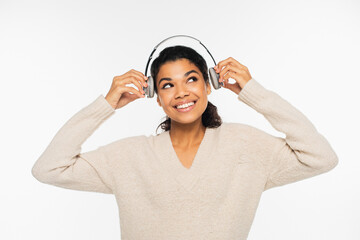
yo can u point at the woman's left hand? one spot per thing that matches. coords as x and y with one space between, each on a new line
235 70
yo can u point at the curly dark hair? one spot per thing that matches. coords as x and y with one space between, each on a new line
210 118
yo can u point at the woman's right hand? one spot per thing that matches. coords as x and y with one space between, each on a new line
118 95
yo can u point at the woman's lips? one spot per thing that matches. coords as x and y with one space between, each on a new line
186 109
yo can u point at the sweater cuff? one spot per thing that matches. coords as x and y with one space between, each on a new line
99 109
253 94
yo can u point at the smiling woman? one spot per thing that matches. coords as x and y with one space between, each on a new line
181 76
180 184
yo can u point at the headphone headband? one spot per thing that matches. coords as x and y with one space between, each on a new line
153 51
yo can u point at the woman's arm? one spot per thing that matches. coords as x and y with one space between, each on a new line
303 153
62 164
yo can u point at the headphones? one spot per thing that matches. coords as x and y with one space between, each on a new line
214 77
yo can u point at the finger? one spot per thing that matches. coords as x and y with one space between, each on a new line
133 73
222 63
140 73
228 68
131 79
130 96
141 76
232 75
136 82
230 61
231 86
132 90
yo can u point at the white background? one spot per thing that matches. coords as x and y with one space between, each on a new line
58 56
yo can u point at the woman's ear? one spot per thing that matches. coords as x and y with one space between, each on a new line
158 100
208 88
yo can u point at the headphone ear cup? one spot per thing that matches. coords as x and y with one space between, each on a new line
214 78
149 90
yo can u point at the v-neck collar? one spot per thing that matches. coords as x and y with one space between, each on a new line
187 177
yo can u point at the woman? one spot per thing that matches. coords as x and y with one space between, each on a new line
200 178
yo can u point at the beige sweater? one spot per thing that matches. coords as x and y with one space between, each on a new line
158 198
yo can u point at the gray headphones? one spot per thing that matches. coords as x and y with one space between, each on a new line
214 77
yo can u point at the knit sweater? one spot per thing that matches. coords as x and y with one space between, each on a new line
216 198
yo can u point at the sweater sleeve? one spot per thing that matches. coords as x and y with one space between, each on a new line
62 164
303 153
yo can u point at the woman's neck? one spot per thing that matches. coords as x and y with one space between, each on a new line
187 135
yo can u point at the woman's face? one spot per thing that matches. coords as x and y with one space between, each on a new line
179 81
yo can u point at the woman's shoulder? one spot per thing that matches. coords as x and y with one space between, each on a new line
125 143
234 126
244 130
255 141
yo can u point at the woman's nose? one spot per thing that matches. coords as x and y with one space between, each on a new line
181 90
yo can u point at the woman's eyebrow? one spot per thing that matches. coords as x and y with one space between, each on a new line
185 75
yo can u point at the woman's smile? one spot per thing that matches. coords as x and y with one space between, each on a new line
185 107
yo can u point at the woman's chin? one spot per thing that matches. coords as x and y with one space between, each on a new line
184 121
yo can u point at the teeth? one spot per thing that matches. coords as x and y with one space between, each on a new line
185 105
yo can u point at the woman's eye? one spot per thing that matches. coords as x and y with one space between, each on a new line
164 86
195 79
